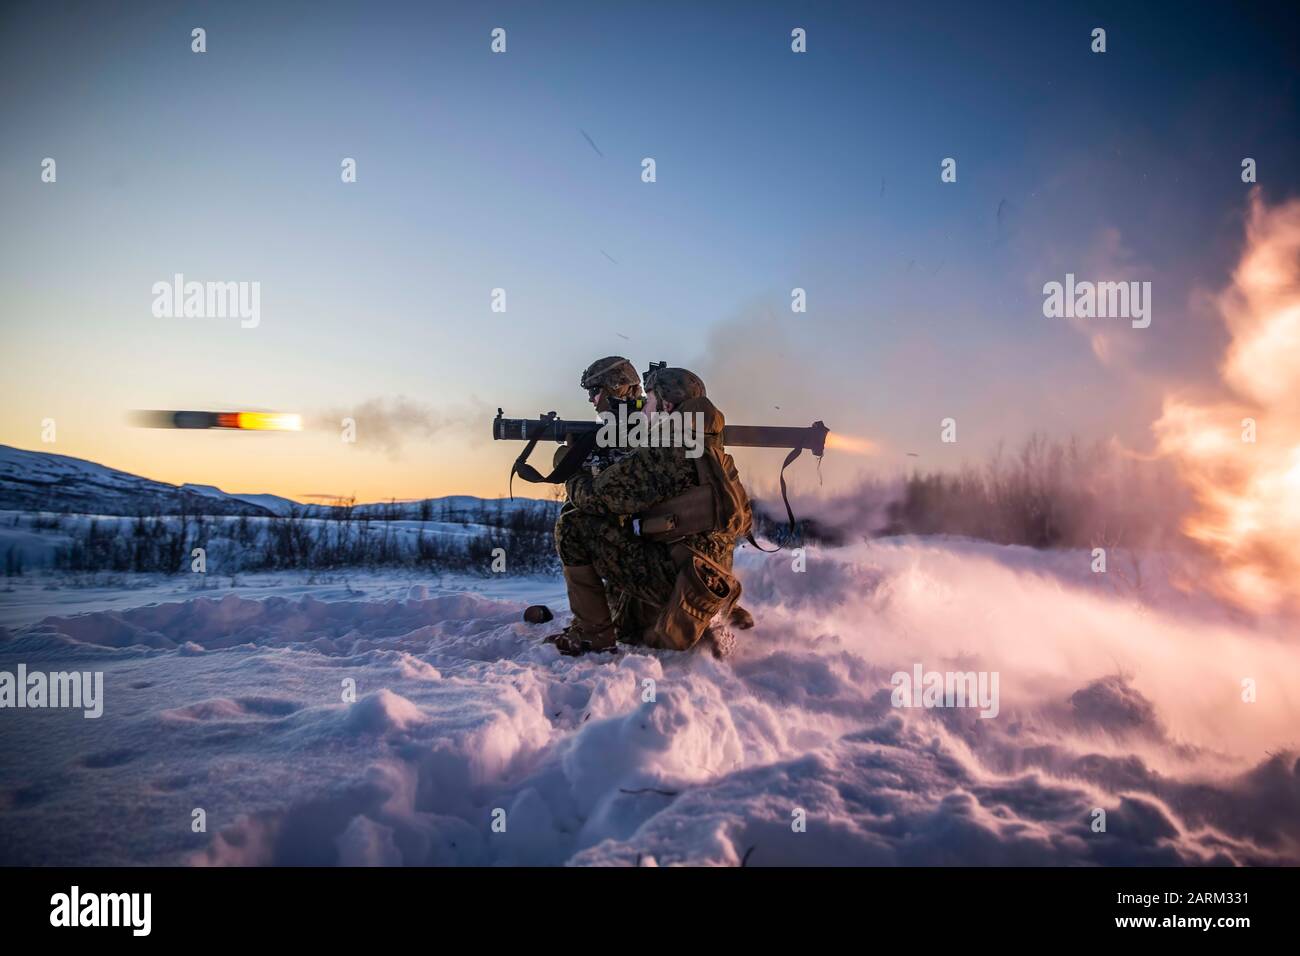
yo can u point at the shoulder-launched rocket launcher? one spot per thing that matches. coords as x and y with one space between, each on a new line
581 436
550 428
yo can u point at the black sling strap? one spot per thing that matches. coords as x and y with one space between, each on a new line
566 469
794 453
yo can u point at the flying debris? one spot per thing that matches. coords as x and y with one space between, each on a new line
621 335
592 144
242 421
608 256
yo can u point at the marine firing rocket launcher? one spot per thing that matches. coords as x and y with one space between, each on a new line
550 428
580 436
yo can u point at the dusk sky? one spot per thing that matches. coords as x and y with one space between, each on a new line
775 170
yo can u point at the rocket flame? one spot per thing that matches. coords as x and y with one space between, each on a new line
854 446
269 421
1241 458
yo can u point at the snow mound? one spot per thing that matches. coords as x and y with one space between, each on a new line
380 712
438 729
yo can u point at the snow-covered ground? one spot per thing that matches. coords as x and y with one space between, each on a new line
36 547
229 700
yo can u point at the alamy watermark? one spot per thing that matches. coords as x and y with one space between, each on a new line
638 429
179 299
75 908
1101 300
946 689
82 690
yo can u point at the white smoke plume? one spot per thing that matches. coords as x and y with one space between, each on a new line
389 424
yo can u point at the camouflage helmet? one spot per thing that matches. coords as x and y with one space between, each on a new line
614 373
674 385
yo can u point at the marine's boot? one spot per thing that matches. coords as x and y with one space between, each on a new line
592 629
741 618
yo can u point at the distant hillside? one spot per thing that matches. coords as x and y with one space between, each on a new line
101 519
41 481
272 503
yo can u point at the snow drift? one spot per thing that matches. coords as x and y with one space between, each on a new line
470 742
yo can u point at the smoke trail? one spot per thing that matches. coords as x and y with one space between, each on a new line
389 424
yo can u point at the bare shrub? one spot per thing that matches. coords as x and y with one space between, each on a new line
1050 494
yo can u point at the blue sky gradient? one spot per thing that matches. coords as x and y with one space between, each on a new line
775 170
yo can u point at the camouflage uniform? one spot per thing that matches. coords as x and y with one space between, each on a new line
622 585
618 378
597 530
596 526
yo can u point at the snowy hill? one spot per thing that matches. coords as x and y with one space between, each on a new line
61 513
231 699
40 481
272 503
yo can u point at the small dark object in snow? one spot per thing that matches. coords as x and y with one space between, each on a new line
538 614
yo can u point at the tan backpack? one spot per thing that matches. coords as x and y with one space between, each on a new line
718 503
